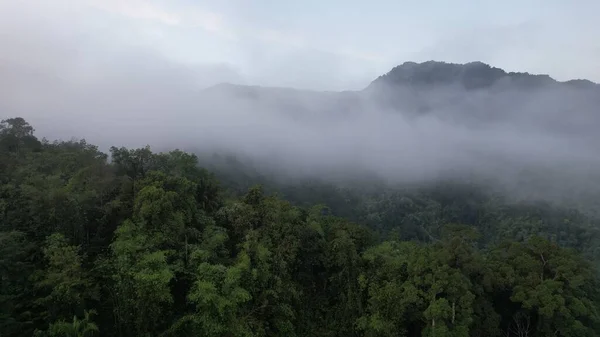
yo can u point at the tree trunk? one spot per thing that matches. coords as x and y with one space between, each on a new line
453 311
186 249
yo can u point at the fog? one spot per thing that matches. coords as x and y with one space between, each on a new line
69 79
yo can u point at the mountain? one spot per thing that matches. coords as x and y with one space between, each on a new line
470 93
426 75
417 88
470 76
478 91
472 116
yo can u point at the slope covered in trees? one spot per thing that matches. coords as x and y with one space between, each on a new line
151 244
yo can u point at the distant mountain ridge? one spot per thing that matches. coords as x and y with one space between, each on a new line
472 75
468 93
458 116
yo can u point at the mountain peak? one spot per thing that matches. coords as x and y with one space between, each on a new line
471 76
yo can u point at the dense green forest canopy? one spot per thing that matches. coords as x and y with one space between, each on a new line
154 244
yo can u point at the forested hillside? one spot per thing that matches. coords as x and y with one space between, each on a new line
138 243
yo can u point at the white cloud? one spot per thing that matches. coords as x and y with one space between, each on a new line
137 9
280 37
194 16
187 16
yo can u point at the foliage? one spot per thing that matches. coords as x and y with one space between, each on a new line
151 244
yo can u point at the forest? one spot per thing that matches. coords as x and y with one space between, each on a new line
142 243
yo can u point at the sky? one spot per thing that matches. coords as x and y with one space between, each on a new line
322 45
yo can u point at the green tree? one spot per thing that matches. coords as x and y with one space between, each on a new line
77 328
16 292
64 281
141 277
552 290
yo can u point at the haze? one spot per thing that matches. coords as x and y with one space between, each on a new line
134 72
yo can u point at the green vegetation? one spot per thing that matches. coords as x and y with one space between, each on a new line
150 244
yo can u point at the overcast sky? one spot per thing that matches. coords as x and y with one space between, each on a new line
332 45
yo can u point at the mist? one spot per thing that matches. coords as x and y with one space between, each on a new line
70 78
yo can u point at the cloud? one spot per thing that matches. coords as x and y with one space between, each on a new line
93 83
173 15
194 16
79 82
137 9
278 37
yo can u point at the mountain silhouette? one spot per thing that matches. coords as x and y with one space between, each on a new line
470 76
